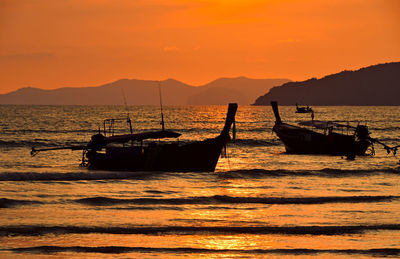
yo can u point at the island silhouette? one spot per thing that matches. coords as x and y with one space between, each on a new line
373 85
241 90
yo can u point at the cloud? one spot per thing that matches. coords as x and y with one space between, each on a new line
171 48
27 56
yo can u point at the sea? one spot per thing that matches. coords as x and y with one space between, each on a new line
259 203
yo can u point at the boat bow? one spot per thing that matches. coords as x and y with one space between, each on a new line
230 118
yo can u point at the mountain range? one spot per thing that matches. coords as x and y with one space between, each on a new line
373 85
146 92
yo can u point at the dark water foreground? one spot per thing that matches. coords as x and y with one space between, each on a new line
260 202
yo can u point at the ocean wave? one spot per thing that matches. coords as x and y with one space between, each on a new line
157 192
144 203
45 131
387 141
19 143
37 143
188 250
37 230
164 208
224 199
82 176
8 203
340 172
325 172
386 128
250 128
254 173
256 142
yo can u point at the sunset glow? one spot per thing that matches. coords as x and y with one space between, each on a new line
52 44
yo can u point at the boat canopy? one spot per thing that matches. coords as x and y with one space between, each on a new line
141 136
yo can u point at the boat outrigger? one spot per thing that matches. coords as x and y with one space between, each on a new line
330 141
102 152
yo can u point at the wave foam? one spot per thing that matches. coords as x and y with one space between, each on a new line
123 249
36 230
224 199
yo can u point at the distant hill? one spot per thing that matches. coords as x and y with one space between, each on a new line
145 92
374 85
241 89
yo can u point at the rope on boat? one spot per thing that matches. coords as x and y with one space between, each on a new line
229 162
223 151
388 149
234 130
362 133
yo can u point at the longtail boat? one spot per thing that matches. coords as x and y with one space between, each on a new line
146 152
306 109
333 138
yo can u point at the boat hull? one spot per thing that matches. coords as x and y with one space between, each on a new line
299 140
198 156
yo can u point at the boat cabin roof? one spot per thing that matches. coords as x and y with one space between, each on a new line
142 136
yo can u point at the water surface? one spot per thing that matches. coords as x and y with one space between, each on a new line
260 202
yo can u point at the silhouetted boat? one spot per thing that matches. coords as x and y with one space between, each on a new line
331 140
133 155
303 109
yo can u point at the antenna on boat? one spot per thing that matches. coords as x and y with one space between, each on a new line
128 120
162 115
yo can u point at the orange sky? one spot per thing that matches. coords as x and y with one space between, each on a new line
51 44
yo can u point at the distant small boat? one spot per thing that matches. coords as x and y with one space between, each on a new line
331 140
303 109
129 152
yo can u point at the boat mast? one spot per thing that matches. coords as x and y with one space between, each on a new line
161 109
128 120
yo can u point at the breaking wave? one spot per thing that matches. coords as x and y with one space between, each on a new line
325 172
143 203
109 175
35 230
223 199
178 250
244 173
8 203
